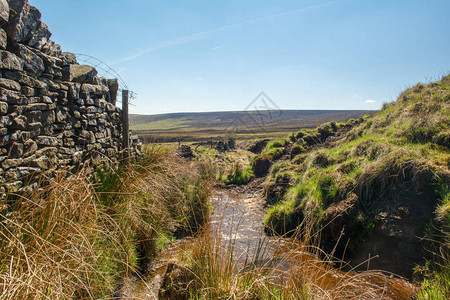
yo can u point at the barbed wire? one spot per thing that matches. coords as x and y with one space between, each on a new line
107 72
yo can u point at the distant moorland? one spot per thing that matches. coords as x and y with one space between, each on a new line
241 124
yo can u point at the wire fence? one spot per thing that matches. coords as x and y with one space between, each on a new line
107 72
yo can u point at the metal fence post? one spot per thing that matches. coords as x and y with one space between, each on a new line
125 124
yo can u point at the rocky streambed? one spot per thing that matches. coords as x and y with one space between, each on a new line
236 223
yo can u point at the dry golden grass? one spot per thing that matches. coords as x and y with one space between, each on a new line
80 234
280 268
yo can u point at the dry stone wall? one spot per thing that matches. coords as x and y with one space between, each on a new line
53 111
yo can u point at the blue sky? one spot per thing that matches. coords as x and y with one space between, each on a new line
204 55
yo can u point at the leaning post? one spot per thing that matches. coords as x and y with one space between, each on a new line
125 125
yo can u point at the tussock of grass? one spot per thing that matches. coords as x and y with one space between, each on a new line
238 175
280 269
79 235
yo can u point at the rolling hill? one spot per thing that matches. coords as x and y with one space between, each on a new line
240 124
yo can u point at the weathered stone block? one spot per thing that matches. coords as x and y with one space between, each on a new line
10 61
52 49
37 106
27 91
77 114
68 58
5 140
3 39
79 102
94 90
32 63
79 73
16 150
46 151
47 141
48 117
11 97
25 23
91 109
11 163
113 86
3 108
25 135
9 84
21 173
34 126
4 12
5 121
68 142
33 116
20 123
61 116
13 187
40 37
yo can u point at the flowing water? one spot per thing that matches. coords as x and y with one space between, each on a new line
237 223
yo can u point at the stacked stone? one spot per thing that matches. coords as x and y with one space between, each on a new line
53 111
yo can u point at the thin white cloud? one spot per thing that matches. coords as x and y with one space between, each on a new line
370 101
218 47
121 70
204 34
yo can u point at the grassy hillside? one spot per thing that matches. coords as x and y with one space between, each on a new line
197 126
376 186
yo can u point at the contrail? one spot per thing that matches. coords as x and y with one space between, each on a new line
204 34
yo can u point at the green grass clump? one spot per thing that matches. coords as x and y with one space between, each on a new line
238 175
276 144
